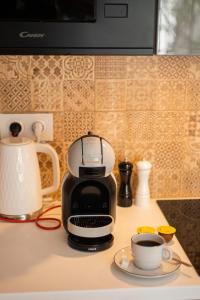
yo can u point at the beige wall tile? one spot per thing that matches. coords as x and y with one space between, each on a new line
141 94
140 150
142 67
15 95
173 67
193 95
47 95
190 183
191 168
192 126
169 125
15 67
79 67
110 67
78 95
47 67
110 95
191 159
111 125
77 124
166 183
58 123
171 95
169 155
140 126
194 67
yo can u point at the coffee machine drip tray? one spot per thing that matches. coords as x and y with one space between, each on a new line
90 244
90 232
90 226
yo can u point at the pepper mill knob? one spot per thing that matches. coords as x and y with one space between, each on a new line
142 195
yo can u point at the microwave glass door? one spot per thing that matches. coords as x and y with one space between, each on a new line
48 10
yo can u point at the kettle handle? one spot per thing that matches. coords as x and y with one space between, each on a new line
46 148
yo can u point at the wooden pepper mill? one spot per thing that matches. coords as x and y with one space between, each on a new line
142 195
125 190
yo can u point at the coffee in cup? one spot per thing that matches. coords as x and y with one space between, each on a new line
148 251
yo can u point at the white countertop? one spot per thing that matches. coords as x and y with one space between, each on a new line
39 264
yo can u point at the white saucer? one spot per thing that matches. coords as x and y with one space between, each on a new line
125 262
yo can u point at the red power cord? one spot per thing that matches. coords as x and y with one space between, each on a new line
38 219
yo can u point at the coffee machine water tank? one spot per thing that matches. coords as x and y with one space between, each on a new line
90 151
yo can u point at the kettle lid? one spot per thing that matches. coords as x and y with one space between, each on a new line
16 141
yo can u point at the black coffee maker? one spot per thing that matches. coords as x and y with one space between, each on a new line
89 193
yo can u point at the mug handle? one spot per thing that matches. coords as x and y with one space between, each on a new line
46 148
167 253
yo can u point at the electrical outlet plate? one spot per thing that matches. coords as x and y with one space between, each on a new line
27 120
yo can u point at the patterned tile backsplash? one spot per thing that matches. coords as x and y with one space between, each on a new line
147 107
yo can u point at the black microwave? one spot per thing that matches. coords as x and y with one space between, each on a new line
94 27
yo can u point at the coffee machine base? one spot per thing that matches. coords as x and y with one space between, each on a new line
90 244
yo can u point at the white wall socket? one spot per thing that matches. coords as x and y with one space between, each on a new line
27 120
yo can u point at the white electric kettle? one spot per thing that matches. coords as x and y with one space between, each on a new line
20 182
